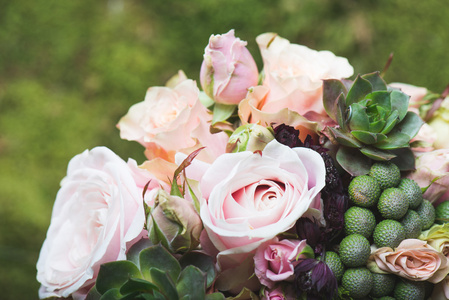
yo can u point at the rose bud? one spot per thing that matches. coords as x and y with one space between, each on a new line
249 137
177 220
228 69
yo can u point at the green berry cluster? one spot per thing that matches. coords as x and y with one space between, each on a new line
395 204
385 210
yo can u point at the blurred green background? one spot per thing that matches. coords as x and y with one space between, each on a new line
70 69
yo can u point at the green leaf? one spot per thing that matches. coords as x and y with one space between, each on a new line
399 102
405 159
377 126
343 138
206 100
158 257
368 137
358 91
165 283
377 154
114 274
410 125
134 252
215 296
358 119
393 141
391 121
93 294
341 112
380 98
353 161
137 285
332 89
156 236
308 252
196 202
191 282
222 112
376 81
112 294
202 261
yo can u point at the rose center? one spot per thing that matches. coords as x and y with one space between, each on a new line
266 195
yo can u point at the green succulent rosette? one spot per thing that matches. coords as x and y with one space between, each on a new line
373 123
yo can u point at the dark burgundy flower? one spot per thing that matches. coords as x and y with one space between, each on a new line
287 135
315 279
310 231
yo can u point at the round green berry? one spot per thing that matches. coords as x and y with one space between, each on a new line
364 191
387 174
388 233
354 250
359 220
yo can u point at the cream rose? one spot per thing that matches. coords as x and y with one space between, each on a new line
413 259
294 74
97 212
172 119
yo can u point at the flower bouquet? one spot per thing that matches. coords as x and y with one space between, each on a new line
290 183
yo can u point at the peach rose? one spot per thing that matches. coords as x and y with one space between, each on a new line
249 112
413 259
171 120
294 74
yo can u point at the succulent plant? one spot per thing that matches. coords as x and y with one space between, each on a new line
373 121
154 273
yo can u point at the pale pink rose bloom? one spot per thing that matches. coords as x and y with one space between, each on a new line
252 197
276 260
249 198
172 120
249 112
97 215
413 259
295 73
429 166
228 69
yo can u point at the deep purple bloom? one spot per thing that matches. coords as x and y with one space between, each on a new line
315 279
311 232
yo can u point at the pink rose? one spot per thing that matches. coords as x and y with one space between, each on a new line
249 198
429 166
171 120
98 212
414 260
294 74
276 260
228 69
279 293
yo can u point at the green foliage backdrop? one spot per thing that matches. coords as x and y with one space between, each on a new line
69 70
